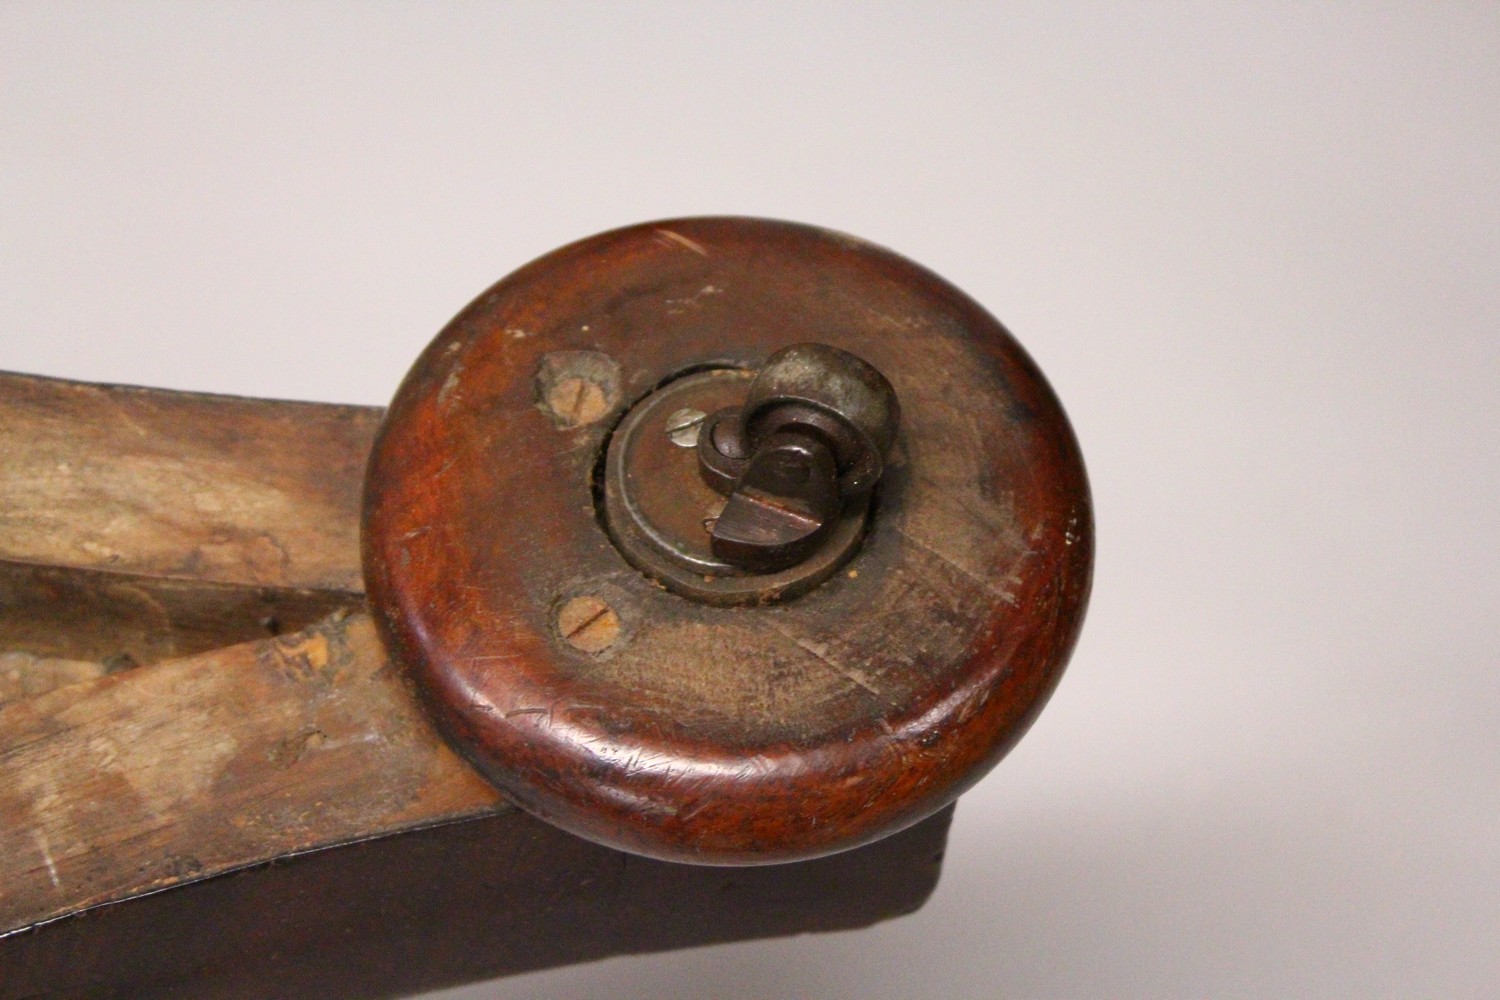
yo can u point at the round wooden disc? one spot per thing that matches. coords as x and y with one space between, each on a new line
642 719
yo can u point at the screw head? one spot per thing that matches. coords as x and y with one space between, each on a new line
577 388
683 426
577 401
588 624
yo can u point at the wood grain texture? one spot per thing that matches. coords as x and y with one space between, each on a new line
213 782
182 485
277 819
104 622
726 735
200 765
141 524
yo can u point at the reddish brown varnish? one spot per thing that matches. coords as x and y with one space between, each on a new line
705 734
214 783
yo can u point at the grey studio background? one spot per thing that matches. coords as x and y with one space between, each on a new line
1253 247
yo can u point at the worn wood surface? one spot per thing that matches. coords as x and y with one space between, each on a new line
147 540
138 524
707 734
200 765
60 625
214 783
182 485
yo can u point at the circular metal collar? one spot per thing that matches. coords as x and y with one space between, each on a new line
658 509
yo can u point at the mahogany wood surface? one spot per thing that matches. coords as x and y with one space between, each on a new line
706 734
213 781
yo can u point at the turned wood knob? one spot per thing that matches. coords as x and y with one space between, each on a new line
538 546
